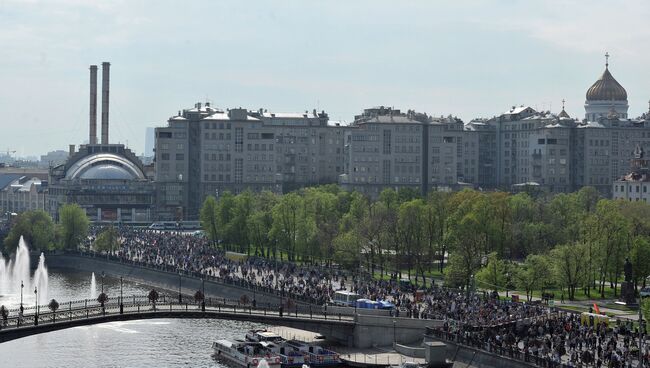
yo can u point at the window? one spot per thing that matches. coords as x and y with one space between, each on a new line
179 146
164 156
180 157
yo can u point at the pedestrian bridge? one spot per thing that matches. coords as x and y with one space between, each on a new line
357 330
336 327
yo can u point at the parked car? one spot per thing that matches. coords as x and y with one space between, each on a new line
645 292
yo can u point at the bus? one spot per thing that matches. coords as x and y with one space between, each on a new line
176 225
345 298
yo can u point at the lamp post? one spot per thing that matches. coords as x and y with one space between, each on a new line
121 298
103 274
394 333
203 291
35 306
641 364
21 294
180 296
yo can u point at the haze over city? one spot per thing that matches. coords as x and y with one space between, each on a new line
473 59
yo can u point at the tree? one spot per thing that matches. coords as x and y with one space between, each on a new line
107 240
102 299
640 258
73 223
53 305
493 275
36 227
153 297
208 216
411 225
569 266
286 220
533 274
4 313
198 296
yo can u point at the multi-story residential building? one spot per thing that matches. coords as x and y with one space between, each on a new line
206 151
386 148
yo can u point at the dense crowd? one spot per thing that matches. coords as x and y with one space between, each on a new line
555 340
526 331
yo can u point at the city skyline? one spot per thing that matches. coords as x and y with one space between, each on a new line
468 60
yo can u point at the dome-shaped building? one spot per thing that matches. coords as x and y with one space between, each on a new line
107 180
605 95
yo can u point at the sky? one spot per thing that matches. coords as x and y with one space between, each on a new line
473 58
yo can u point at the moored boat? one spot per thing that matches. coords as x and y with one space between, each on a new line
246 354
317 355
290 355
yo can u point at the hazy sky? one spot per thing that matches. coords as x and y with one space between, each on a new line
466 58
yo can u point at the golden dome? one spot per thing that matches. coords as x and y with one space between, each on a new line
606 88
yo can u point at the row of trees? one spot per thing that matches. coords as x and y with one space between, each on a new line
569 241
42 234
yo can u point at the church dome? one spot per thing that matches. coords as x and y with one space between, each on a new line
606 88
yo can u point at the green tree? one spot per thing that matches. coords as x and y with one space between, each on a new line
208 218
494 274
73 224
645 310
286 219
640 258
107 240
36 227
533 274
569 266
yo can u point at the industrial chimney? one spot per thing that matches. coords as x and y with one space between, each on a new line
93 105
105 81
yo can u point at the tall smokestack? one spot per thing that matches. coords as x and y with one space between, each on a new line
93 104
106 70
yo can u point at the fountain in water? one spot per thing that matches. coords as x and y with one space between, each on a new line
93 287
13 272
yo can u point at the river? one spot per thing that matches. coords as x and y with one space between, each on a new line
160 343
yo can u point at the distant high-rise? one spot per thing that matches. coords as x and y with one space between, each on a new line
149 141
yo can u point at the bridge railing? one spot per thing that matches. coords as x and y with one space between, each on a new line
138 305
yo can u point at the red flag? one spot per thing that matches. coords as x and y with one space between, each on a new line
596 308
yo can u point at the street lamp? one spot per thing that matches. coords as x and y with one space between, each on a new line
641 330
35 306
121 298
103 274
394 334
21 294
180 296
203 291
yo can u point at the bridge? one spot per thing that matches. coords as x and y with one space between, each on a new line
336 327
359 330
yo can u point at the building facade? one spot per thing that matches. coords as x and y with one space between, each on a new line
634 186
206 151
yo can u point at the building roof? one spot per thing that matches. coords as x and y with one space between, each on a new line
606 88
104 166
7 179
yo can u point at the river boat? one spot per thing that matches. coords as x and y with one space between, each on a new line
290 355
263 335
246 354
317 355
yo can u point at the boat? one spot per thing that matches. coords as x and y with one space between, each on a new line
246 354
290 355
263 335
317 355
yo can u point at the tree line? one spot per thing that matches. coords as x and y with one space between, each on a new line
574 242
42 234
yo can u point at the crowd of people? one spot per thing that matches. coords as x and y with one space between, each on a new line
523 330
555 339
